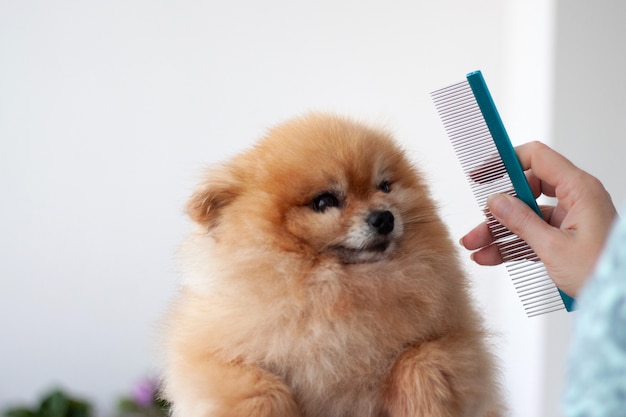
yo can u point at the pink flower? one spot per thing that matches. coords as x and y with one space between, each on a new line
145 392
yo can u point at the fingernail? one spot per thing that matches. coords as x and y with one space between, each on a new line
461 241
499 204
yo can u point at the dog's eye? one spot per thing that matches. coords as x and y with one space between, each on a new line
385 186
324 201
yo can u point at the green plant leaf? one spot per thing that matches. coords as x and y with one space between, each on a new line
128 405
56 404
79 408
19 412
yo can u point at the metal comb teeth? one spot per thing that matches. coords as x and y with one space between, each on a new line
487 174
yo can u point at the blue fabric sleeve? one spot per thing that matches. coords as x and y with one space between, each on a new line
596 384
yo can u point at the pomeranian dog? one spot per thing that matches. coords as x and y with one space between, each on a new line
321 282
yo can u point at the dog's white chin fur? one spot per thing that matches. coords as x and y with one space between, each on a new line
362 244
374 252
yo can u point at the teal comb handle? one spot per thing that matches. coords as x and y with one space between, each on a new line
506 151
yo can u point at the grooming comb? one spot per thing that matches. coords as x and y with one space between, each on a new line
488 159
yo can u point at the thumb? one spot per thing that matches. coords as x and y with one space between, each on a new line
519 219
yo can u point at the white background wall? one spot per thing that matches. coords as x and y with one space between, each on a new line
588 108
109 110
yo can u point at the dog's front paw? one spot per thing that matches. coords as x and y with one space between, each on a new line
419 386
268 405
227 389
442 378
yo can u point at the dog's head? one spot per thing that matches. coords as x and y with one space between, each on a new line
320 186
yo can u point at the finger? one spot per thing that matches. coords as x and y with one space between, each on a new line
477 238
488 256
539 187
534 182
547 189
548 165
481 236
521 220
547 212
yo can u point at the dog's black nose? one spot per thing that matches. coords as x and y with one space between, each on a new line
382 221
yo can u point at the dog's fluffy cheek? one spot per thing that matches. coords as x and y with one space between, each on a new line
202 265
314 229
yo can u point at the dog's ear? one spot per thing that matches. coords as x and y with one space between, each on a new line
218 190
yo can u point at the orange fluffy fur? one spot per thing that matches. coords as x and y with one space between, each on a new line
289 309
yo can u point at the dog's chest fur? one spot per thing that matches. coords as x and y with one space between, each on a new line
332 347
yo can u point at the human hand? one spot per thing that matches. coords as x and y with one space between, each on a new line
571 234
